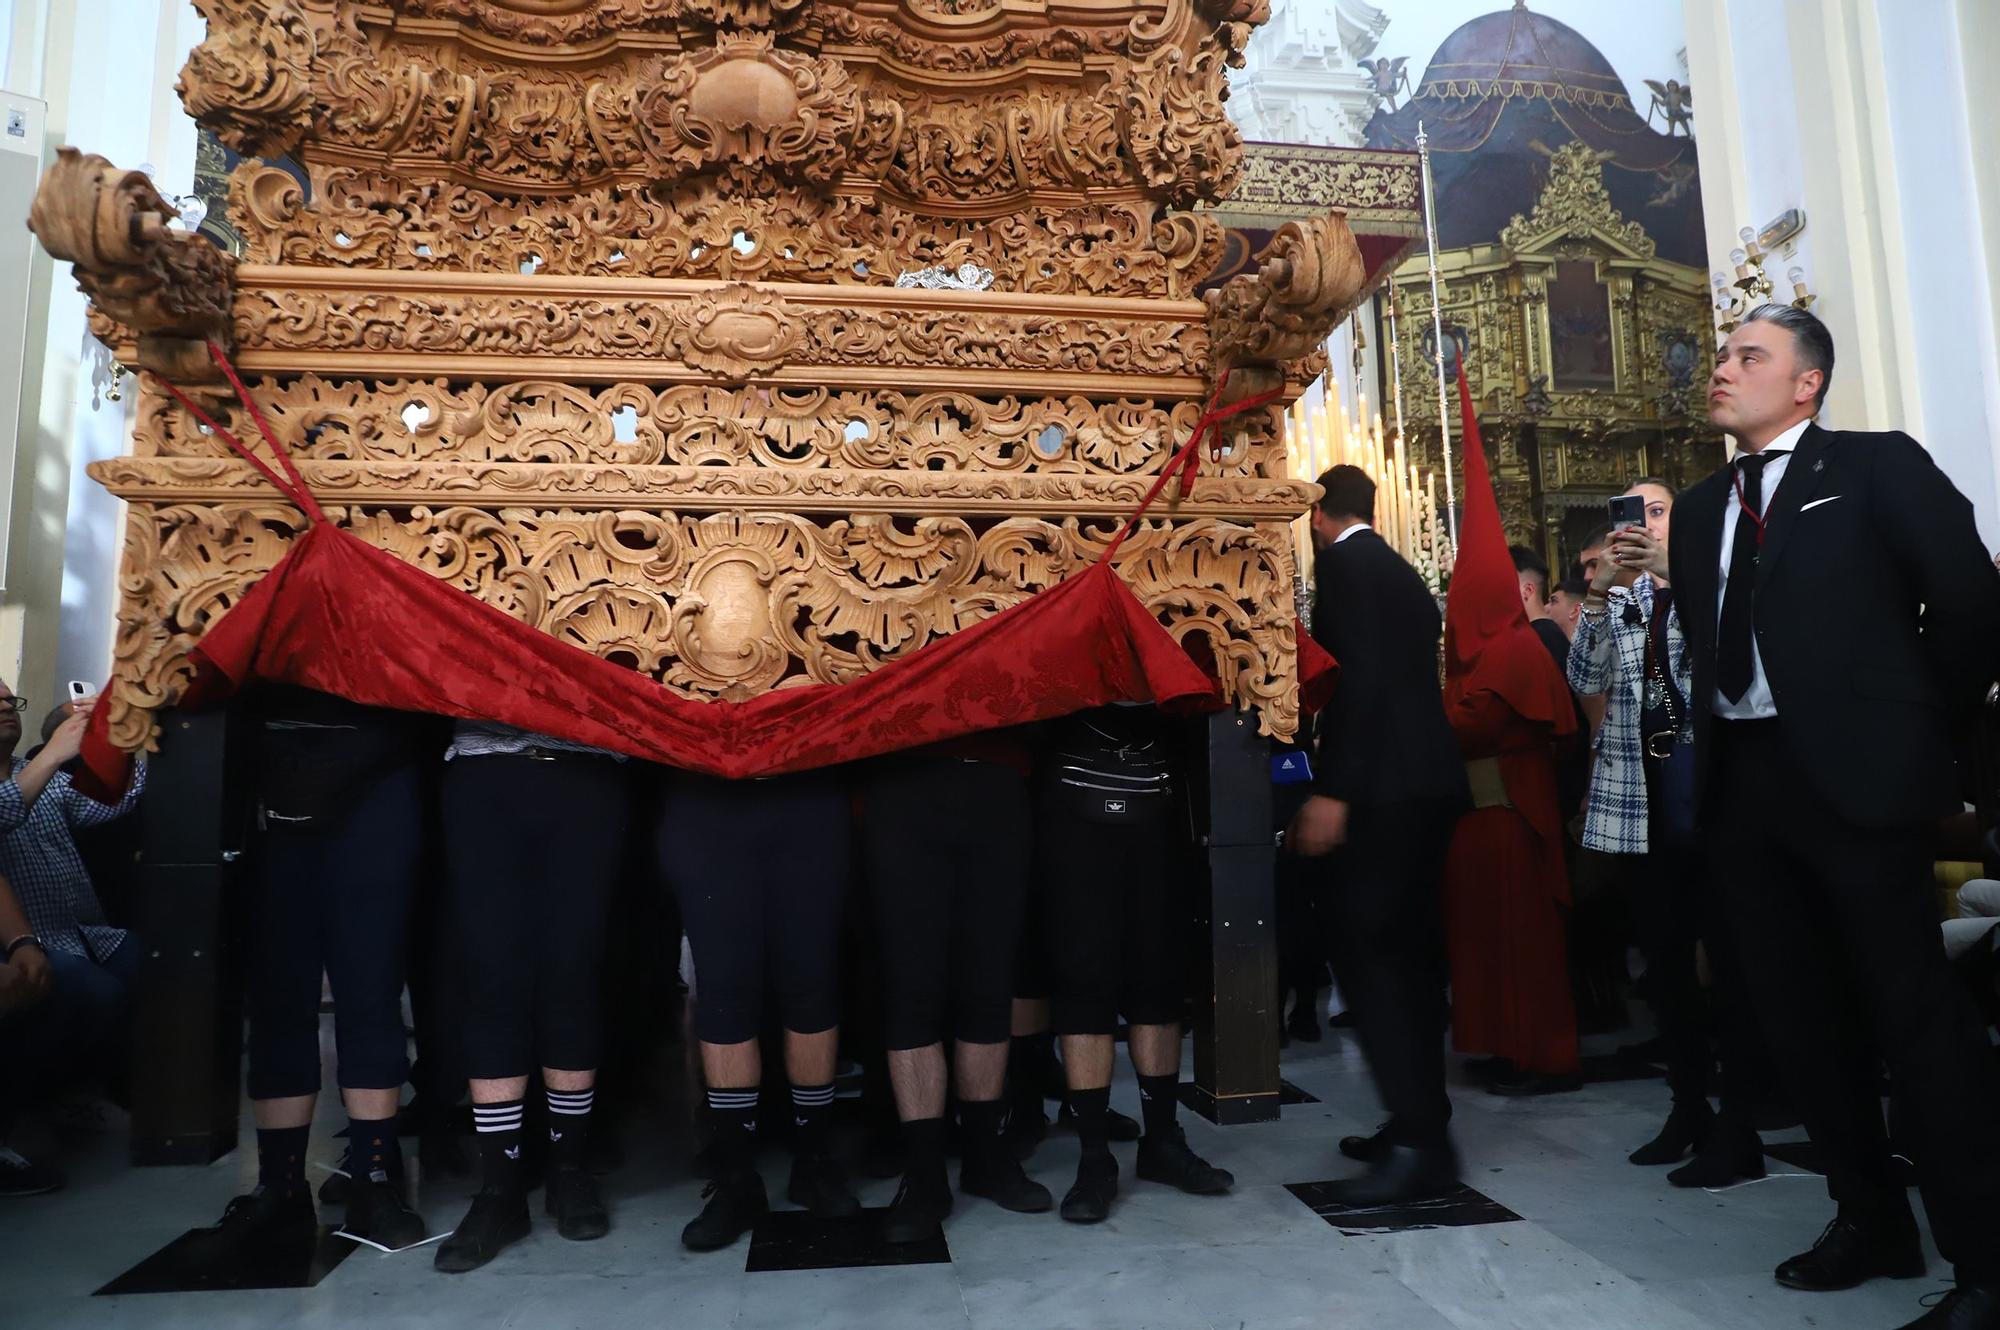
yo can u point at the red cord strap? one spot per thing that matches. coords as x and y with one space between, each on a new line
1188 460
296 489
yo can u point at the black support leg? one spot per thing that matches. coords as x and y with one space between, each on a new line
187 1025
1236 1021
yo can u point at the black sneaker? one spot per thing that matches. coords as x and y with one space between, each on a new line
819 1184
734 1207
1089 1200
991 1170
577 1205
1165 1157
496 1221
21 1176
918 1212
260 1226
338 1186
378 1212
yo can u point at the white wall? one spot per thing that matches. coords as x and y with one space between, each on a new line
1859 112
107 72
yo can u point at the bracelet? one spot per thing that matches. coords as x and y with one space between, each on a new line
25 940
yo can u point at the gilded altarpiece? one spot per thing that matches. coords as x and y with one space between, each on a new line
749 343
1585 352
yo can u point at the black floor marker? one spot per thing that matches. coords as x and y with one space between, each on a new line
1459 1209
171 1270
794 1240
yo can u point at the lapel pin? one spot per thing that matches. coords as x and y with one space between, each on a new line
1820 465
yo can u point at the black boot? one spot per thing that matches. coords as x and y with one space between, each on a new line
497 1220
1729 1154
262 1226
735 1204
1854 1249
1366 1149
918 1212
1403 1173
1164 1157
575 1202
379 1212
819 1184
1089 1199
1686 1128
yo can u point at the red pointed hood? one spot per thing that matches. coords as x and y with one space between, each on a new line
1488 643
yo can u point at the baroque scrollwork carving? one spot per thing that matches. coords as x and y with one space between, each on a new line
725 605
1170 115
136 269
250 80
1307 280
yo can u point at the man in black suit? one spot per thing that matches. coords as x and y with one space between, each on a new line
1843 616
1388 785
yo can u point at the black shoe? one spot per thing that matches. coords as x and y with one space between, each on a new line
496 1221
1303 1023
337 1187
1967 1307
577 1205
918 1212
1403 1173
1730 1154
441 1155
1524 1084
1165 1157
819 1184
990 1169
1854 1251
21 1176
1340 1020
258 1227
1089 1200
734 1207
1366 1149
1686 1128
378 1212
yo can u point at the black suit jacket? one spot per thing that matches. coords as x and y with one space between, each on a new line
1384 738
1877 618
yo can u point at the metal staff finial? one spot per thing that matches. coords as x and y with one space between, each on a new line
1437 331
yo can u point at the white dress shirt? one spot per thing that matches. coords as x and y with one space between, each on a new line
1358 526
1756 702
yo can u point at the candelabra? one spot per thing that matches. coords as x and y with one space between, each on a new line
1753 286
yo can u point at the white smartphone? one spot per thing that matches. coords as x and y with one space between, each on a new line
79 690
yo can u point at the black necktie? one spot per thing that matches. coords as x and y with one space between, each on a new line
1733 659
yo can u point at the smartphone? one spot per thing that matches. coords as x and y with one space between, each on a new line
1627 510
79 690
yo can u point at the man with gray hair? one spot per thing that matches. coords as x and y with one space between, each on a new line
1843 618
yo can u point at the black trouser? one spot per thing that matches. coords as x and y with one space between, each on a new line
1114 914
1386 919
1675 909
333 896
760 868
1842 953
945 848
532 848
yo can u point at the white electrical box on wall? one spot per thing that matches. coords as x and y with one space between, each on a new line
20 171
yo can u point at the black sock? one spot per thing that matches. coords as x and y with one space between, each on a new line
373 1152
923 1149
1093 1133
1024 1079
569 1125
812 1117
732 1115
983 1120
1159 1098
499 1127
281 1159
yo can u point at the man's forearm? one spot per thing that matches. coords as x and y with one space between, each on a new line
32 780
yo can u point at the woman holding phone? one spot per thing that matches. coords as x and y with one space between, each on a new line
1628 648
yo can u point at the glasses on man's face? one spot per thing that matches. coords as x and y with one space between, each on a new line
14 703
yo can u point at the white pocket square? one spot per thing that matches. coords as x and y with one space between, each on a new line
1817 502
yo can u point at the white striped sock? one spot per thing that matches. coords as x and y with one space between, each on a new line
571 1103
497 1117
812 1096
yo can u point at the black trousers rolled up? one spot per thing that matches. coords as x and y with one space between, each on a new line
1837 928
532 848
1385 915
